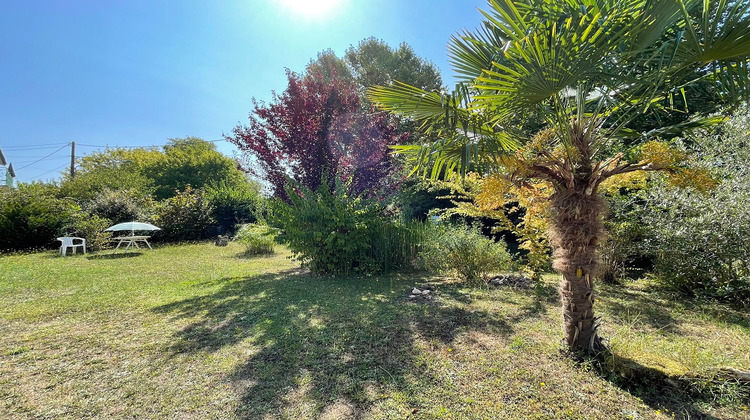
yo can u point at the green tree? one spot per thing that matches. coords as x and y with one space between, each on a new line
589 68
375 63
32 215
190 161
111 169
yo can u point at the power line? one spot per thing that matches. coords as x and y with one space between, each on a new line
39 160
25 148
138 147
45 173
53 145
25 158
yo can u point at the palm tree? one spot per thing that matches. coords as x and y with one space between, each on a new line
589 68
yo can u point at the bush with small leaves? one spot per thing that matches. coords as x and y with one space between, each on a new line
701 241
464 252
31 216
335 232
234 204
120 205
91 228
327 229
184 217
699 237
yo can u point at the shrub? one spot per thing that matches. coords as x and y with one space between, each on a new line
184 217
327 230
31 216
701 241
624 249
464 252
333 232
234 204
120 206
90 227
700 238
258 239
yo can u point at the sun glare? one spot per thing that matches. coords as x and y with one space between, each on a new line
312 8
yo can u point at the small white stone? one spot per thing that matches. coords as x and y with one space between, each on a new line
425 292
412 296
416 291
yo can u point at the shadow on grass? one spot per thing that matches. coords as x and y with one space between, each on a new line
655 308
245 256
319 343
115 256
627 306
685 398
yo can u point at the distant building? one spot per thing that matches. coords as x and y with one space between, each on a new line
7 173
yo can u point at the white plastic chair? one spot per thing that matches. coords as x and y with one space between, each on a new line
70 242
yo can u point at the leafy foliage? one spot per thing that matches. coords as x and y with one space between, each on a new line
91 228
160 173
464 252
120 205
626 234
374 63
328 230
190 161
700 242
522 210
317 129
234 204
184 217
333 231
31 216
111 169
258 239
417 199
697 235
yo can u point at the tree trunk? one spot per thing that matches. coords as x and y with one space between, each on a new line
576 231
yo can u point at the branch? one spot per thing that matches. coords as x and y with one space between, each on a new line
630 167
549 174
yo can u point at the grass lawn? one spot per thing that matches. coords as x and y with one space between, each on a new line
194 331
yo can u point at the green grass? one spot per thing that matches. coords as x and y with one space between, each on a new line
199 331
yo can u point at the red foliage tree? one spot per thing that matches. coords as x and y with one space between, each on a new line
318 128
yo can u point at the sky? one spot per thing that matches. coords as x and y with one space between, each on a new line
124 73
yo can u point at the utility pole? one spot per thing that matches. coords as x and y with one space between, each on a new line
72 159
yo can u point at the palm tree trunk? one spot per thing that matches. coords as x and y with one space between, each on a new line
576 231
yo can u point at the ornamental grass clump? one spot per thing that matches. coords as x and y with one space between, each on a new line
258 239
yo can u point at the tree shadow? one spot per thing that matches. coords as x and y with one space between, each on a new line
321 341
680 396
115 256
654 307
245 256
626 306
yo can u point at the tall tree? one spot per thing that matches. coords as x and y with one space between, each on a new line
150 171
375 63
317 128
111 169
590 68
190 161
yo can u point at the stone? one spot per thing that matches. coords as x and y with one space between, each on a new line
516 281
416 291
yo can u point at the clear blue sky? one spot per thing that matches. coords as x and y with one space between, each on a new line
138 72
